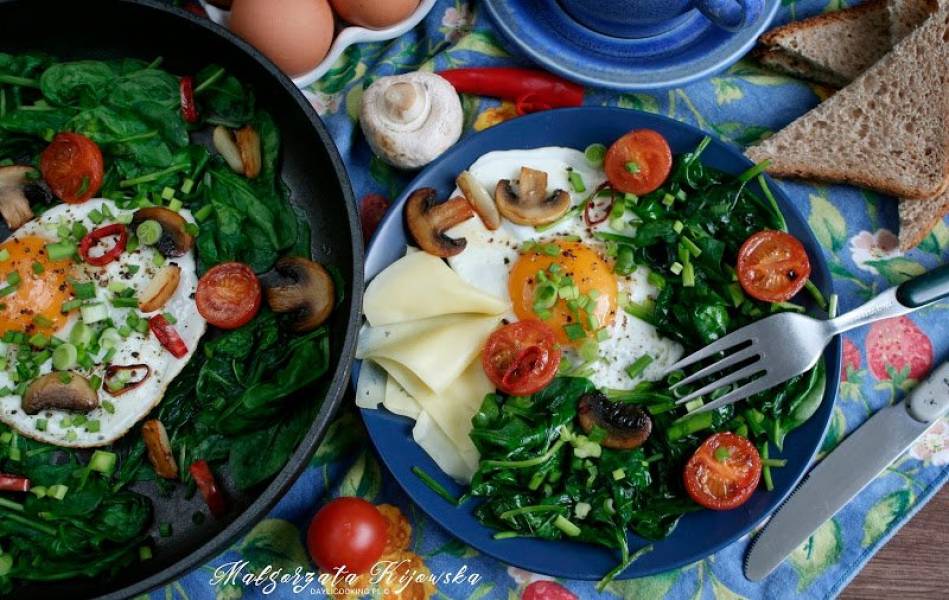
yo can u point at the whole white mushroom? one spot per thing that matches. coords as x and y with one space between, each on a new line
409 120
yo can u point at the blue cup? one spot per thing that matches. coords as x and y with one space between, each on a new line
646 18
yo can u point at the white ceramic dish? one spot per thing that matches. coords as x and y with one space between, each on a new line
346 36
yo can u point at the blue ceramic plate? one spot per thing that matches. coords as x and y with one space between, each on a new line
552 38
698 534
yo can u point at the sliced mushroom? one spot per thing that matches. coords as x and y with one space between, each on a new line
17 189
627 426
480 200
159 449
63 390
428 222
530 204
248 144
175 239
226 146
160 289
300 287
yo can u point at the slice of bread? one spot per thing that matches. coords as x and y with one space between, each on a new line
907 15
888 130
844 42
781 61
918 217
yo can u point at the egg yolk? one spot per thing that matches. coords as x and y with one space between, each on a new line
590 274
33 304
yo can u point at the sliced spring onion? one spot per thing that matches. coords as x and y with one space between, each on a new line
64 357
81 334
576 182
60 250
639 365
148 232
93 313
103 461
595 153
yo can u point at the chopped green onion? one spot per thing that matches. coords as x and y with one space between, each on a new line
64 357
563 524
39 340
84 290
148 232
108 407
120 302
14 278
61 250
832 306
164 529
187 185
678 226
167 193
175 205
619 475
595 153
158 260
434 485
38 268
59 490
203 213
668 200
688 275
632 167
693 248
144 553
576 182
96 216
574 331
4 255
103 461
41 321
639 365
722 454
110 338
93 313
676 268
41 424
81 334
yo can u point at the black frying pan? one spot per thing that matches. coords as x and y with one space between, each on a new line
310 166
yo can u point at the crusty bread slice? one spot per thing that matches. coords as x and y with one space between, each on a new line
907 15
888 130
844 42
783 62
918 217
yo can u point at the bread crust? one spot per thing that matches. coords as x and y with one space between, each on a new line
920 231
774 36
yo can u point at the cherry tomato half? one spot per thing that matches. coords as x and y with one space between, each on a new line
228 295
347 533
639 162
773 266
723 472
72 165
521 358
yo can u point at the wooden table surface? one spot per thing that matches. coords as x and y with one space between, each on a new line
914 564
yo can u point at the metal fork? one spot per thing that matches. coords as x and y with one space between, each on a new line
776 348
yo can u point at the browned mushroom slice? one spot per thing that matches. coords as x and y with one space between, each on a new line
159 449
160 289
302 288
627 426
17 189
429 221
63 390
480 200
530 204
248 144
175 239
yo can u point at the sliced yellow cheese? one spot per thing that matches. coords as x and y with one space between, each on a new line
436 351
420 286
451 409
398 401
436 444
371 385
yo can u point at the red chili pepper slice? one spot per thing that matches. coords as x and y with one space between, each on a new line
189 110
92 238
204 478
113 377
531 90
595 213
14 483
168 336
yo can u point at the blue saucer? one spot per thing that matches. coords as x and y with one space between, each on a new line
694 49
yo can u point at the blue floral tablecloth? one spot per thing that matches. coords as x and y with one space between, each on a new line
857 231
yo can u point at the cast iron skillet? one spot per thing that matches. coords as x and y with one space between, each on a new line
310 166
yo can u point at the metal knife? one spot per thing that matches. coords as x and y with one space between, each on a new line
846 470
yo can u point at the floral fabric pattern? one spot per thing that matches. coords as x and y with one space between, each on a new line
856 230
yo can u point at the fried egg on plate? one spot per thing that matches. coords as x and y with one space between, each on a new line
493 263
32 310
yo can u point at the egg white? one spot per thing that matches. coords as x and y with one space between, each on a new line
488 256
138 348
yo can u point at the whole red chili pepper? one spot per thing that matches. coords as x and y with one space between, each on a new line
91 238
189 110
531 90
168 336
14 483
204 478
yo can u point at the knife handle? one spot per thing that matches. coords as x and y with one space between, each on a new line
926 288
930 400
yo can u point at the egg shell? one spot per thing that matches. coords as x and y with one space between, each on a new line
294 34
373 13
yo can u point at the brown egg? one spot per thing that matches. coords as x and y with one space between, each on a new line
376 14
294 34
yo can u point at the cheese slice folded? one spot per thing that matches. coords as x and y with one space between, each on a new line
420 286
